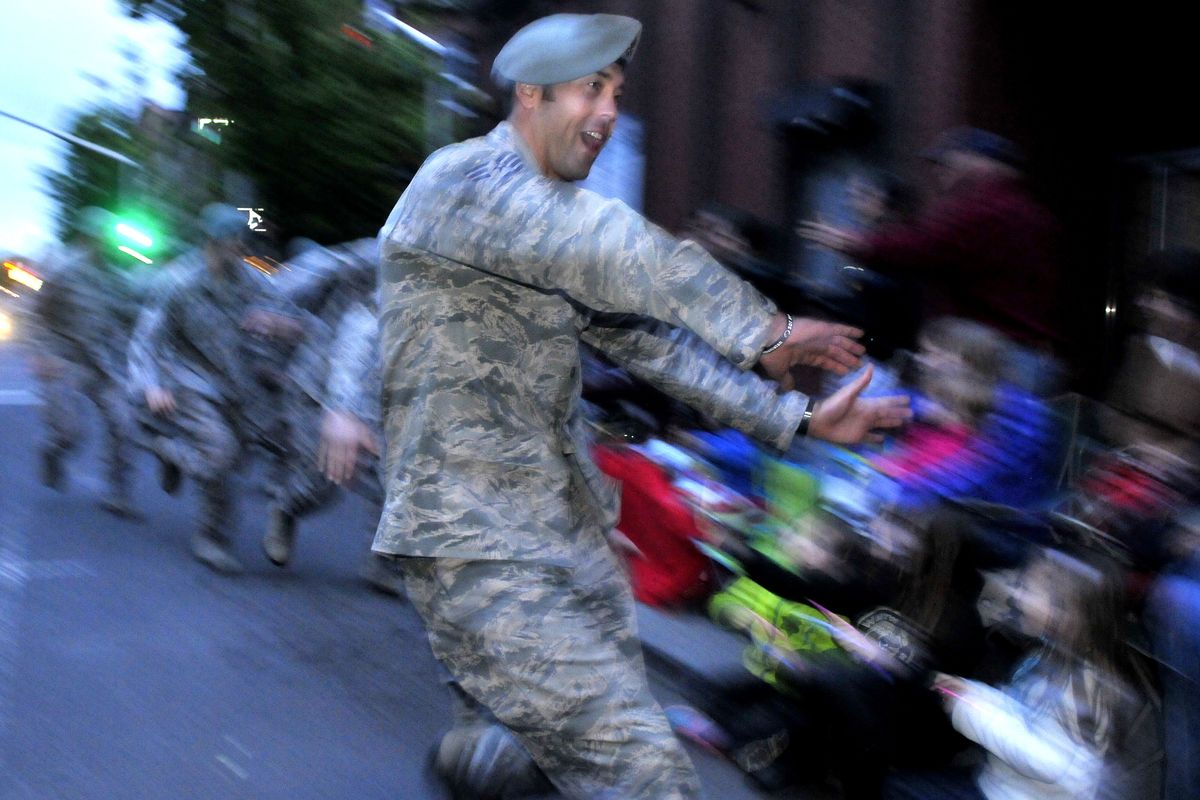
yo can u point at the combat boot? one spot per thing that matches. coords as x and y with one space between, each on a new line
169 474
52 468
280 538
213 551
488 763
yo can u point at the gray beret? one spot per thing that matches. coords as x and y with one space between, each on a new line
219 221
563 47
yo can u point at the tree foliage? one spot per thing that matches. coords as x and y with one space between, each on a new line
88 178
328 127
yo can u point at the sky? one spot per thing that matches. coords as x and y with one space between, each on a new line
61 56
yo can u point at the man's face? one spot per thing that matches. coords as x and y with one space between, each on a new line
571 122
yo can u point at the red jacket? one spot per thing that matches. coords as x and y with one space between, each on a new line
989 252
657 520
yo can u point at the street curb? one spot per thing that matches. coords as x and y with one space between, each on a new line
686 649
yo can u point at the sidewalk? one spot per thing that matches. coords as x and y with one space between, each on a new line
688 652
686 648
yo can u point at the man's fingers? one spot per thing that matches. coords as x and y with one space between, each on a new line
323 457
850 343
343 455
831 365
855 387
846 352
849 331
371 444
893 411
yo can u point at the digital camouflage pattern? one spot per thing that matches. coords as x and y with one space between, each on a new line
491 278
190 336
352 385
82 318
552 654
491 275
85 312
190 340
327 283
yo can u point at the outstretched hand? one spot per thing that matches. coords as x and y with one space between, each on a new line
814 343
847 418
827 345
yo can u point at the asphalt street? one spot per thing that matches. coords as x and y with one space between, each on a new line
127 670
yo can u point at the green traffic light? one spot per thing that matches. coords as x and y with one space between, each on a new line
134 235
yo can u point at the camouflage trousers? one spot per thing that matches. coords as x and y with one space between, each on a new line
552 653
62 414
202 438
297 486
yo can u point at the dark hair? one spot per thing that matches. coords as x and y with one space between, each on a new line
1082 651
928 588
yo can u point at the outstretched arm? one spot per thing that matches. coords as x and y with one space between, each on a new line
684 367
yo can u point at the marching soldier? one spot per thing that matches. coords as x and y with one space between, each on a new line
81 321
192 361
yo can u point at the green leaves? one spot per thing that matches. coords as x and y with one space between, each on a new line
325 127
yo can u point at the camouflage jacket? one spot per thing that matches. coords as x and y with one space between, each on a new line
353 382
190 335
325 281
329 283
84 313
491 276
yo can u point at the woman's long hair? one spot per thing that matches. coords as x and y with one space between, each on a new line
1082 646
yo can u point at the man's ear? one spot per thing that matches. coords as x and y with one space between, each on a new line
527 94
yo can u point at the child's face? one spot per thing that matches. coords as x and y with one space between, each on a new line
946 378
938 364
1034 600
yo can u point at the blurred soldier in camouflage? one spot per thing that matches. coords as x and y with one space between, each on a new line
494 268
192 361
81 321
332 435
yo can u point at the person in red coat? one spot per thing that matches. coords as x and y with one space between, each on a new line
667 569
986 248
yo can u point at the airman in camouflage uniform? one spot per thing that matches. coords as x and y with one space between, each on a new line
494 269
80 324
192 359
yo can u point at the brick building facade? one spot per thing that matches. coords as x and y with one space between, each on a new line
1091 95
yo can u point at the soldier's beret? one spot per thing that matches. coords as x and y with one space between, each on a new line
563 47
219 221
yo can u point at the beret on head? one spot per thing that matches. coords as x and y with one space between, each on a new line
563 47
219 221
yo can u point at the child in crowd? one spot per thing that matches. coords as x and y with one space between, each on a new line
977 434
1047 732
